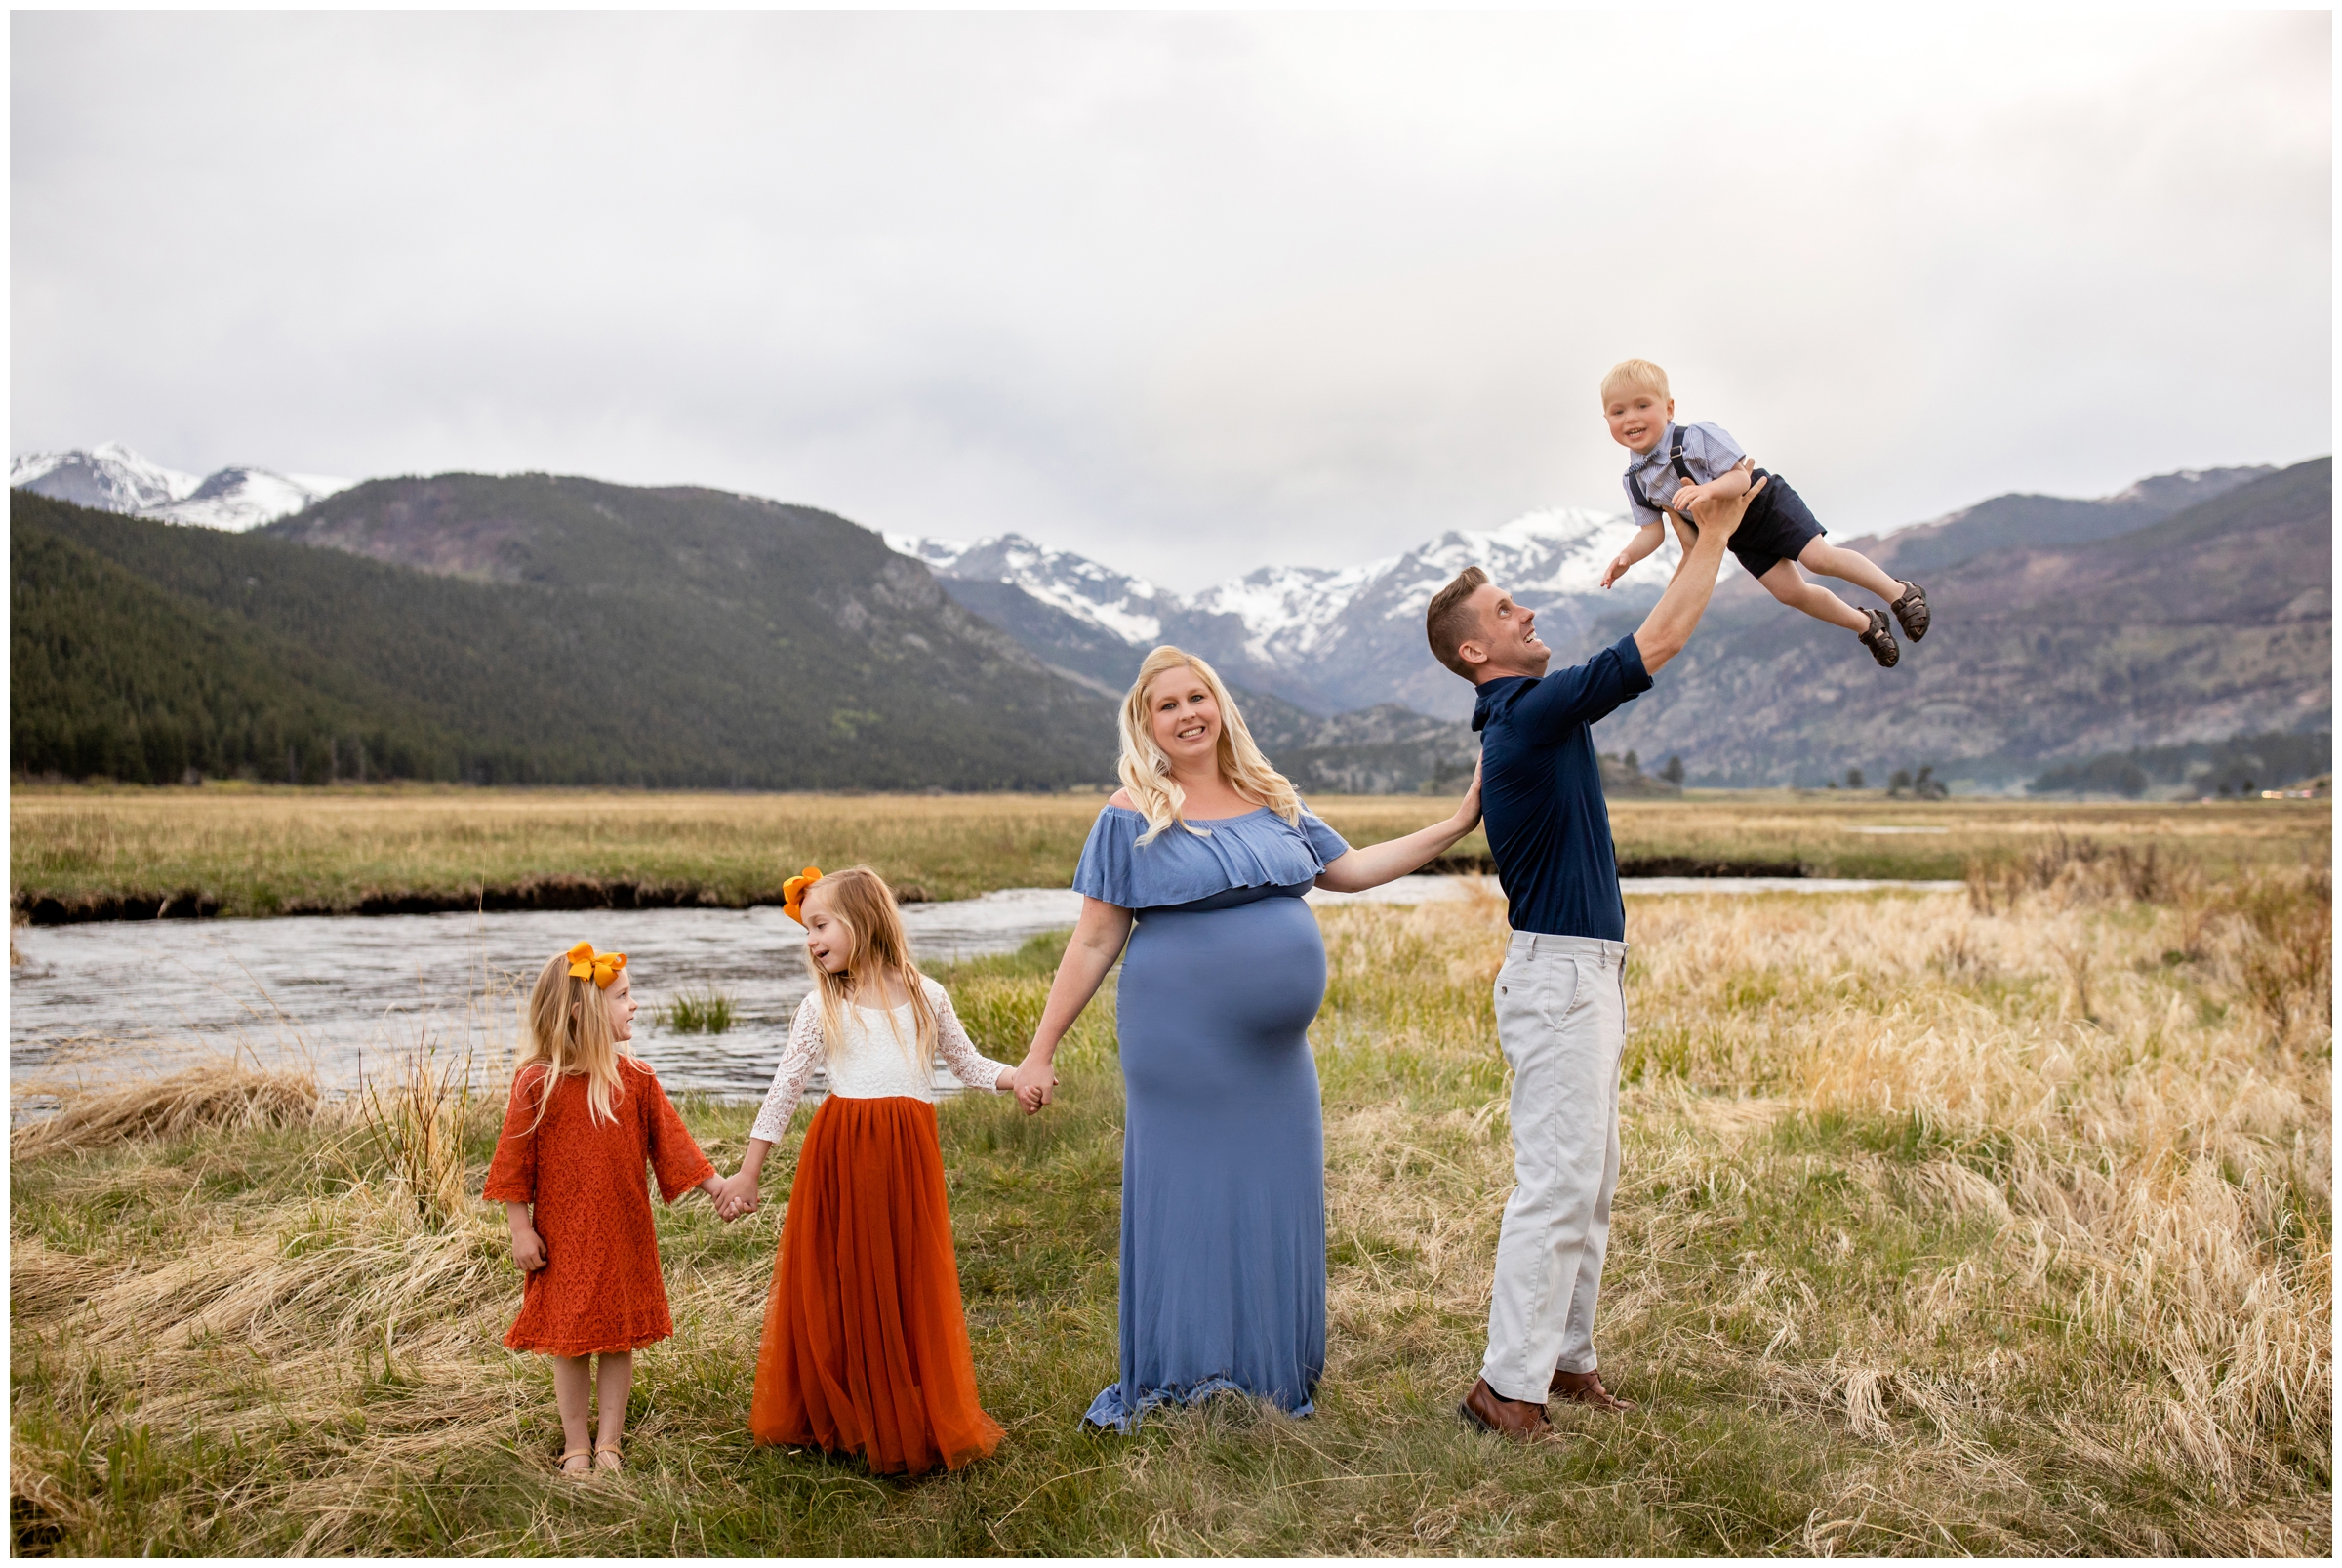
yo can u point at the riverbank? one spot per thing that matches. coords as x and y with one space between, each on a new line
1989 1223
87 853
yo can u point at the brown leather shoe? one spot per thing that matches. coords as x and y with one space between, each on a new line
1492 1412
1586 1389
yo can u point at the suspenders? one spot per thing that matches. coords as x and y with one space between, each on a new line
1674 458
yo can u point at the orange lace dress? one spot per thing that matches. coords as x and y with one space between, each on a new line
601 1287
865 1348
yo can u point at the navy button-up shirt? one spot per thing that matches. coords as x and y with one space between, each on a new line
1541 792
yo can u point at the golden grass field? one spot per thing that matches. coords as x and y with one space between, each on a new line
259 850
1998 1223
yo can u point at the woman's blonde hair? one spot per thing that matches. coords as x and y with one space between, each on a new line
877 948
569 1032
1147 770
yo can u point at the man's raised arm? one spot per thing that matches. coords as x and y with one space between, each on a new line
1668 625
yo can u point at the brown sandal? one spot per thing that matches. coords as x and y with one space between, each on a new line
583 1470
1880 639
610 1454
1911 612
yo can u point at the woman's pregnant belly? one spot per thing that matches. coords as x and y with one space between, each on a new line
1219 1003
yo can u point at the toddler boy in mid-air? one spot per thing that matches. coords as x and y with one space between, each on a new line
1676 464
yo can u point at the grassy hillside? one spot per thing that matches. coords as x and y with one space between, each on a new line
522 630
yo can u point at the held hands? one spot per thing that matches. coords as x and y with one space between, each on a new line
1033 1083
528 1248
736 1196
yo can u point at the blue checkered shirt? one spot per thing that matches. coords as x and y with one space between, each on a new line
1708 451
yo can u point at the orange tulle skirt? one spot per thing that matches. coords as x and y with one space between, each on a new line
866 1349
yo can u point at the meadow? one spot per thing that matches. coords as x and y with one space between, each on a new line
238 850
1988 1224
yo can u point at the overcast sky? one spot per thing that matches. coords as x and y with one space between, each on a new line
1192 294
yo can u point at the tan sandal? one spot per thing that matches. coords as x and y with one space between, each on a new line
606 1459
583 1471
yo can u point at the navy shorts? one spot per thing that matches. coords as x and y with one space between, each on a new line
1778 525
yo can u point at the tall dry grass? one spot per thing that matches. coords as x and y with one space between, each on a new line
226 1095
414 1126
1947 1225
2021 1193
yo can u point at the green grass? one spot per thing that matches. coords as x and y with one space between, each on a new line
705 1012
1915 1264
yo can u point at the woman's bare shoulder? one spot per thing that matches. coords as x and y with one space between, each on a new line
1121 798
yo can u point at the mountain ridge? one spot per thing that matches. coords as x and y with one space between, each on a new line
1327 639
2200 624
606 635
2167 618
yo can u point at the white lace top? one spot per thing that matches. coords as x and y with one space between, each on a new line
872 1063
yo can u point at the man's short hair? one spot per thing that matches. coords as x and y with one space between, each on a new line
1449 622
1634 376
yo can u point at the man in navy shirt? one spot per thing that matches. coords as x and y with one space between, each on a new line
1560 997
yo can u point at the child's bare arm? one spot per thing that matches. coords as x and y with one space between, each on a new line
1730 486
1646 540
528 1247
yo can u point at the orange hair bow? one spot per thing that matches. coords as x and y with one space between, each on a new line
792 893
600 967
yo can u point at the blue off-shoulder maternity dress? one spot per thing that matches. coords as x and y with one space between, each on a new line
1222 1147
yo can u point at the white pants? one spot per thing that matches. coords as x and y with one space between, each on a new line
1561 1018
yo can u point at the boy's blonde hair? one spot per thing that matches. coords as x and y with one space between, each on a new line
877 948
1147 771
569 1034
1634 376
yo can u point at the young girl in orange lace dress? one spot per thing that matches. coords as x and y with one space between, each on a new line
585 1117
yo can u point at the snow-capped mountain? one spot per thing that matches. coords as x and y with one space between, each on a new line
1293 613
109 477
1328 639
1130 608
237 499
113 478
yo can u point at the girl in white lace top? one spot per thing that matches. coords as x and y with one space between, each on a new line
871 1061
866 1346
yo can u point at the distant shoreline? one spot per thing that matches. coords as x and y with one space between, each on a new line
80 854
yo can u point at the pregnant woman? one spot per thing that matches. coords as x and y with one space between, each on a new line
1199 865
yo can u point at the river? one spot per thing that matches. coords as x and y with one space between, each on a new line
354 995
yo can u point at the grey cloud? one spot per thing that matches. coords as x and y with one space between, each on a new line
1190 292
